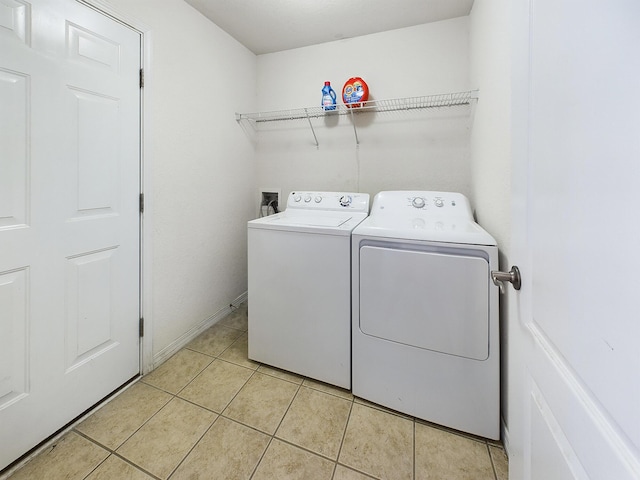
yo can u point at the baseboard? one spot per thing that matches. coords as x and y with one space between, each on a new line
184 339
240 299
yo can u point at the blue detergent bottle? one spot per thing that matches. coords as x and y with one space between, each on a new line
328 97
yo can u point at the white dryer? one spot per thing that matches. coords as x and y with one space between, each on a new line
425 337
300 285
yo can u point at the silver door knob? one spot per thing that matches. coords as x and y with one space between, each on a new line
512 276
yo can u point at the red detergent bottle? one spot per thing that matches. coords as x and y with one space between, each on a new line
355 92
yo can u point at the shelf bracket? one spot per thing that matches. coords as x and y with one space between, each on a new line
306 112
355 130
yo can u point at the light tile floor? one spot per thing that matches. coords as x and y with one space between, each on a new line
210 413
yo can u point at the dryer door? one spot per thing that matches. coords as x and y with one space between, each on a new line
436 301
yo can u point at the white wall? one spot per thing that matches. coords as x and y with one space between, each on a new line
202 166
205 174
425 150
491 144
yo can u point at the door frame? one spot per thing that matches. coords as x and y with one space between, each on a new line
146 220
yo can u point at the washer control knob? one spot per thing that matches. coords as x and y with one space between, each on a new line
418 202
297 198
318 199
439 202
345 200
307 199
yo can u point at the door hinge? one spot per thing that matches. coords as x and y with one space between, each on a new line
141 327
142 203
141 78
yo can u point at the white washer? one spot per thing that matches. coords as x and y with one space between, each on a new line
300 285
425 311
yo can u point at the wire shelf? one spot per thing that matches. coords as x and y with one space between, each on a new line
444 100
397 104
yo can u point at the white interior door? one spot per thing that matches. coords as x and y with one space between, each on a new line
574 359
69 220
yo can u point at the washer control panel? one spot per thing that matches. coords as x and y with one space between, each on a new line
358 202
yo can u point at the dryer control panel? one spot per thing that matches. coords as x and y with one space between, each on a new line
448 204
331 201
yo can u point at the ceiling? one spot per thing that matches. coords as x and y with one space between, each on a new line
266 26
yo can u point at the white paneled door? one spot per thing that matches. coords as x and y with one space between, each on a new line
69 215
574 371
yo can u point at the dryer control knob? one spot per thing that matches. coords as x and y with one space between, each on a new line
418 202
439 202
345 200
318 199
307 198
297 198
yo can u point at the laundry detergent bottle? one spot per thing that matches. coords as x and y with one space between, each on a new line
328 97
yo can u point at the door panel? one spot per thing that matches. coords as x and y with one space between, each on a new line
13 335
15 17
93 49
96 154
581 193
578 112
69 219
89 296
550 454
14 181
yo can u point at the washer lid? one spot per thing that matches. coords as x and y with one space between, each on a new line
314 220
328 223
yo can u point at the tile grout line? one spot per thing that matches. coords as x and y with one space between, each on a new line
272 436
344 434
136 466
46 445
369 404
354 469
414 448
215 358
253 472
287 411
134 432
391 413
192 448
98 465
453 431
493 465
325 391
350 467
174 396
114 452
